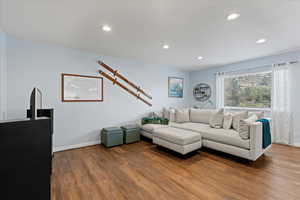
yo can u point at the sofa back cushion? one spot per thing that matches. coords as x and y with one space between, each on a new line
182 115
157 114
169 114
201 115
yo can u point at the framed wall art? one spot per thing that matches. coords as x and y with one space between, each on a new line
175 87
79 88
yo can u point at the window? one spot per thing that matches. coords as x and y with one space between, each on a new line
251 91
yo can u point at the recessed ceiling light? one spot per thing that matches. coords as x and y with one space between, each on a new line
200 58
260 41
233 16
165 46
106 28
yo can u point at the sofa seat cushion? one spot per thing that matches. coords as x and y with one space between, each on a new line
225 136
197 127
152 127
177 136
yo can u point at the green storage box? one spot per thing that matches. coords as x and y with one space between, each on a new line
131 133
111 136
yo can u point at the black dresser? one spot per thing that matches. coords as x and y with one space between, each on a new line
26 158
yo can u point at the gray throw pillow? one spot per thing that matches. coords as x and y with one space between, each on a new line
236 118
216 120
227 122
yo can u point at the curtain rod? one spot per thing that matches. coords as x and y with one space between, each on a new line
262 66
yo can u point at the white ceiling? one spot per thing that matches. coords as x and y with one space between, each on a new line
192 28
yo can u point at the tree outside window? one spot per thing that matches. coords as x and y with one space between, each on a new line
251 91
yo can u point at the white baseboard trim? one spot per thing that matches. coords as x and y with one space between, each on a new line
75 146
297 144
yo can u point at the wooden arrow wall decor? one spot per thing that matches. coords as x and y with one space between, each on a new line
116 82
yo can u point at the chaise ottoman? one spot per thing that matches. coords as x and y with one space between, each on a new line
179 140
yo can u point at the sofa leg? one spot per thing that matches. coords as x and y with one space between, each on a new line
182 156
144 138
189 155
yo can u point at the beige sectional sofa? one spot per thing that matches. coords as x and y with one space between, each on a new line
197 132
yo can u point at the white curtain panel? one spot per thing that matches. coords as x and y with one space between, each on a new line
220 90
282 117
295 98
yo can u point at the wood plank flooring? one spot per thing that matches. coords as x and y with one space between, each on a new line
141 171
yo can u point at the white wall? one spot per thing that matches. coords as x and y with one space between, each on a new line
3 95
40 65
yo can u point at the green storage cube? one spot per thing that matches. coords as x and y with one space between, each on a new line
112 136
131 133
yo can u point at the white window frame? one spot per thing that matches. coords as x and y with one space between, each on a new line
246 108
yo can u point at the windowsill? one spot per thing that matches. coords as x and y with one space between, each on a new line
245 108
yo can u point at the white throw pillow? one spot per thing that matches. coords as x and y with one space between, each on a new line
244 128
236 119
201 115
227 122
172 115
259 114
166 113
157 114
182 115
169 114
216 120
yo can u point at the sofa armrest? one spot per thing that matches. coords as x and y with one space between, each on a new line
255 140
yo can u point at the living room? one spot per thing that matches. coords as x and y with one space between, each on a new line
150 99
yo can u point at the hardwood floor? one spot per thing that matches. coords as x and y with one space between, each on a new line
141 171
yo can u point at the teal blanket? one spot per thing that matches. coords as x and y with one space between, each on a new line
266 132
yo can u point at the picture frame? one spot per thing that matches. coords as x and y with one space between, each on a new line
175 87
81 88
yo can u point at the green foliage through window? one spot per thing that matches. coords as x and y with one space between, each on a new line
252 91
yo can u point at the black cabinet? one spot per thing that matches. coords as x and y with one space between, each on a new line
26 159
49 112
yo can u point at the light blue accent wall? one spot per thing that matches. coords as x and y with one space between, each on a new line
208 75
40 65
